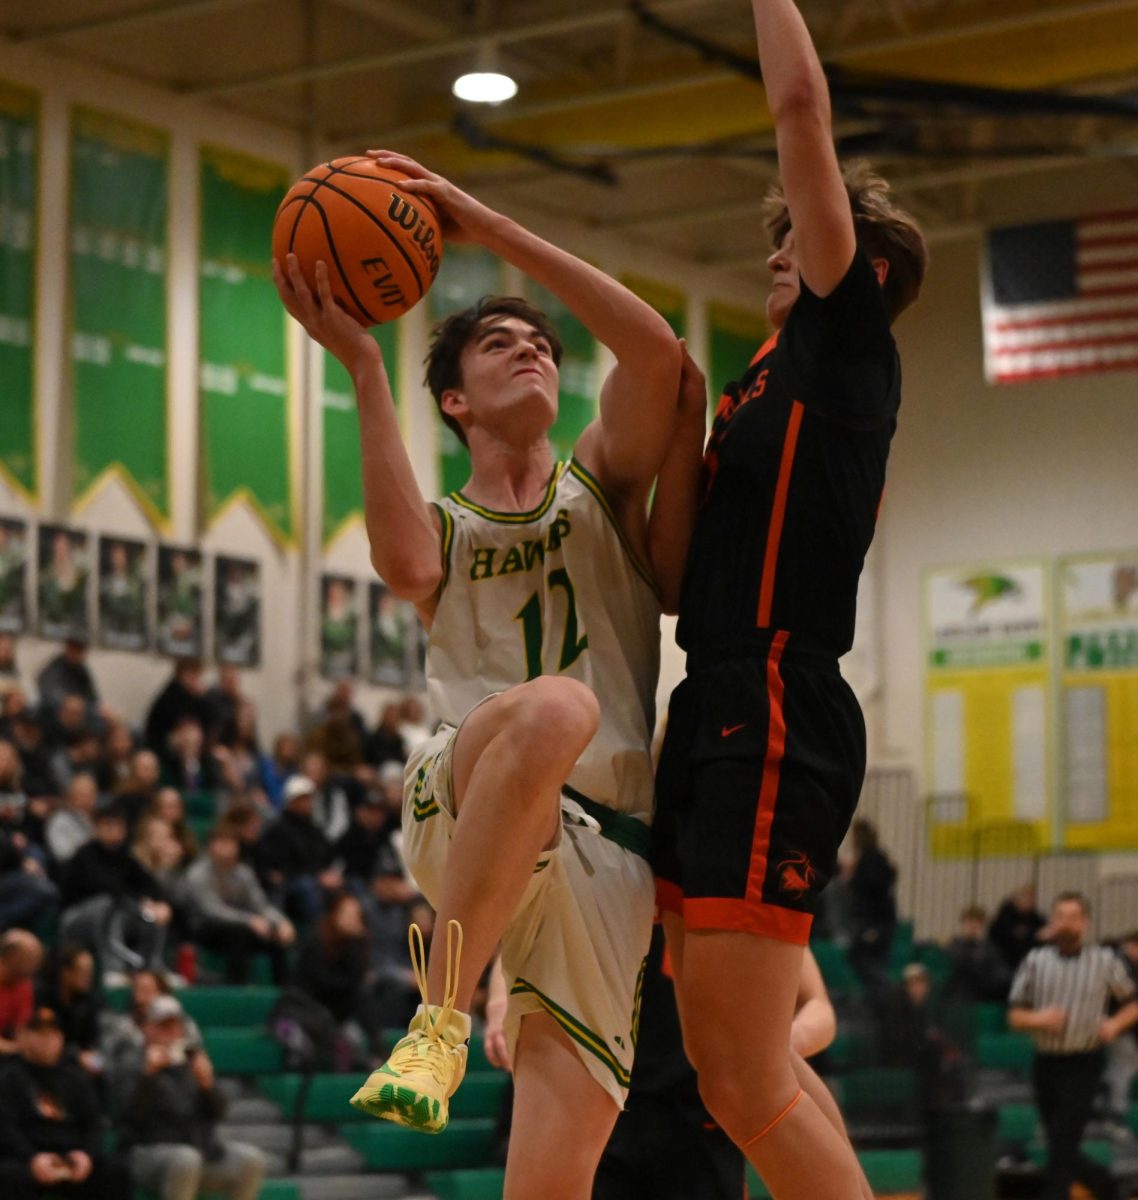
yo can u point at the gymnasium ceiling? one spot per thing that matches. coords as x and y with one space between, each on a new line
981 111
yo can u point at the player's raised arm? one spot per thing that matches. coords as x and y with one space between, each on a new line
799 100
404 538
676 499
639 395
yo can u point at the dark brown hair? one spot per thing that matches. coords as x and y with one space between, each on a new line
450 337
883 229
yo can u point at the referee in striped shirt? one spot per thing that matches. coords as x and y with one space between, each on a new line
1059 996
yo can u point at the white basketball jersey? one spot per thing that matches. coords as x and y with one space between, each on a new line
554 591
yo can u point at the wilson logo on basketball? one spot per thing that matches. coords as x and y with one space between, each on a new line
796 875
402 211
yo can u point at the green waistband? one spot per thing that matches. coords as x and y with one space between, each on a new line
627 832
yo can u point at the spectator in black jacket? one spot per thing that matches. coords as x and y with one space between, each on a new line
112 904
170 1108
181 697
25 892
51 1123
979 972
873 911
385 742
293 855
68 675
332 968
68 989
1018 926
27 734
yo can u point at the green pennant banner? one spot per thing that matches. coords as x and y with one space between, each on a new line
118 307
468 273
19 113
733 336
242 343
580 378
343 479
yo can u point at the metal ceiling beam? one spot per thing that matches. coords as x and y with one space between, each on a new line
176 10
433 50
399 15
541 108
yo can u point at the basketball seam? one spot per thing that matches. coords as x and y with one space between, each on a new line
377 222
310 199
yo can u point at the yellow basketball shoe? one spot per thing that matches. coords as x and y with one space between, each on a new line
414 1086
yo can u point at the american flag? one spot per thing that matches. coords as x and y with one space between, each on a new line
1061 298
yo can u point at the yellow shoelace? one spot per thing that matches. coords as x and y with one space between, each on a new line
411 1055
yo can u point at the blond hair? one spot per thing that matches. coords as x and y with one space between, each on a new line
883 229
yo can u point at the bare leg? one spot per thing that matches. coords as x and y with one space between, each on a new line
822 1096
739 993
511 757
562 1117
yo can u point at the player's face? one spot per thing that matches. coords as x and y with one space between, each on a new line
508 376
783 266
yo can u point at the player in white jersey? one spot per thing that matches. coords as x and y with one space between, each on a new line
526 817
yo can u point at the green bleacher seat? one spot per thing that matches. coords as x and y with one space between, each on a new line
1005 1051
484 1184
279 1189
835 966
212 1007
1132 1117
990 1018
937 960
890 1171
242 1051
200 804
852 1048
756 1189
1098 1151
1017 1124
879 1092
387 1147
260 970
480 1095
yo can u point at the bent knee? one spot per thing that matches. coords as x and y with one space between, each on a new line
555 704
743 1107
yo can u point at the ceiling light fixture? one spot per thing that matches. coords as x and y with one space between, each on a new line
486 84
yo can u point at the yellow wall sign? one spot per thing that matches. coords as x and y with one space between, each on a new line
1098 614
988 707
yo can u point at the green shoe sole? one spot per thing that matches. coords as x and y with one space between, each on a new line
404 1106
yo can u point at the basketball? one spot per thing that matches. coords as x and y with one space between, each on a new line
382 245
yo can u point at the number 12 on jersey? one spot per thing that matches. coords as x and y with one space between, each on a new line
572 646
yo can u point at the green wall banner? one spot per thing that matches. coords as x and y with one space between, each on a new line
580 377
118 308
242 344
669 302
733 337
467 274
19 113
343 481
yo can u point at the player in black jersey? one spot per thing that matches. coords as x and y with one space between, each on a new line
765 750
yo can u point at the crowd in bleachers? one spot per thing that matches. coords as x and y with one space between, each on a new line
175 850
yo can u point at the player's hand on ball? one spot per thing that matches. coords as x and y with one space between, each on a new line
463 219
323 319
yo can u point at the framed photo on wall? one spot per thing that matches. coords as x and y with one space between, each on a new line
124 594
339 627
181 604
237 611
387 638
13 575
63 602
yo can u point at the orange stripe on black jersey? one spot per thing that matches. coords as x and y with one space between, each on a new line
778 515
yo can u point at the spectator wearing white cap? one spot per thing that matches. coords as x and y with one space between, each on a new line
294 856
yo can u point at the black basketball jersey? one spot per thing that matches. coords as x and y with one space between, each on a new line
793 475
